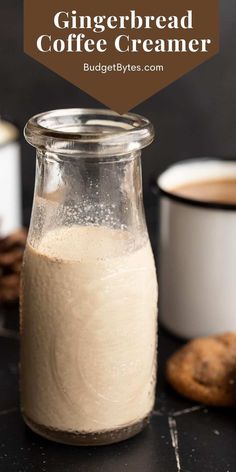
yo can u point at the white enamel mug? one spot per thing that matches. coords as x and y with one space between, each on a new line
10 179
197 253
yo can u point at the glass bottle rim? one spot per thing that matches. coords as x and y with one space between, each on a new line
89 132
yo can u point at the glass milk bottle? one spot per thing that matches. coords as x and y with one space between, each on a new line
89 290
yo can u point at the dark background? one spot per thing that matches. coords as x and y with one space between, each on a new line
194 116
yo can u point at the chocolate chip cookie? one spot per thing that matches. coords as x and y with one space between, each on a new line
204 370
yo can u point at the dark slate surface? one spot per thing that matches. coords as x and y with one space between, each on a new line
182 437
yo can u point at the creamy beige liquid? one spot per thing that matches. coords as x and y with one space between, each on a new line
215 191
89 306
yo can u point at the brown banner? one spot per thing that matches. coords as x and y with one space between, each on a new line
121 52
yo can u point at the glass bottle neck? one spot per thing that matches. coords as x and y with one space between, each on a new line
86 191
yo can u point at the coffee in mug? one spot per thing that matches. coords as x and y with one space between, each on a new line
215 190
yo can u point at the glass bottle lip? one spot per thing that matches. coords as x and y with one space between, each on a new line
89 132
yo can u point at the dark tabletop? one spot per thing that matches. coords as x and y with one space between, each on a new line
181 437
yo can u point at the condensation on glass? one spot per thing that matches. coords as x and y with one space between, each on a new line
89 290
